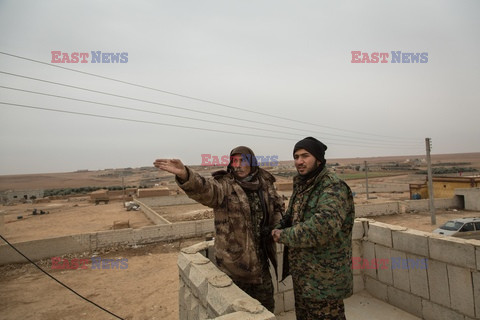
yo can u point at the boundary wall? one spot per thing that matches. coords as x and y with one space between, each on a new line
50 247
445 287
151 214
394 207
168 200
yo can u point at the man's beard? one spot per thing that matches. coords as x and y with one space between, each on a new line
315 167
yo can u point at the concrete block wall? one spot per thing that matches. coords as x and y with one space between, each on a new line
57 246
151 214
394 207
199 297
168 200
207 293
283 291
427 275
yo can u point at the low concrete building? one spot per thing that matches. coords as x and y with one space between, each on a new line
12 196
471 198
443 187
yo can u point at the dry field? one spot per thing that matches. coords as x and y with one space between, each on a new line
148 288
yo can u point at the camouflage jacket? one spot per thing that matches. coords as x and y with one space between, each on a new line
321 214
235 249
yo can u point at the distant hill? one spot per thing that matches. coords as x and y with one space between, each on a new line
151 175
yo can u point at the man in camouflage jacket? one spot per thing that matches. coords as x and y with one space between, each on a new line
317 233
246 207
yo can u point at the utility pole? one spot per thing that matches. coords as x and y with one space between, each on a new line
428 144
366 178
123 188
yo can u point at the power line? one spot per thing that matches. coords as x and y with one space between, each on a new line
171 125
58 281
139 121
160 113
141 110
176 107
196 99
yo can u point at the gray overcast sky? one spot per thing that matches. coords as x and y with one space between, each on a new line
290 59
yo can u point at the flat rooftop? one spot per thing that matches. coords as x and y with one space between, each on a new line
362 306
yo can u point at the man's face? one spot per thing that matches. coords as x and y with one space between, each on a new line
305 162
241 166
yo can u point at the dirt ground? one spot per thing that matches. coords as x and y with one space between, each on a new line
146 289
66 217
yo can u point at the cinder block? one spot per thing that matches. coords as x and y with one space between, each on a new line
405 301
433 311
384 274
476 244
369 254
286 285
438 283
199 275
189 299
289 300
376 288
477 255
357 232
461 290
418 276
220 299
198 247
202 313
358 284
192 312
356 253
401 280
412 241
266 315
452 250
181 299
366 225
183 263
279 305
381 233
476 292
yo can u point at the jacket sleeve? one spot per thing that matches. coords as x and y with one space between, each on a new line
208 192
332 207
279 210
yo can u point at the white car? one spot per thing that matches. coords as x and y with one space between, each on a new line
467 228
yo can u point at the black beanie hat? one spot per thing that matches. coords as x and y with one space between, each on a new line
312 145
